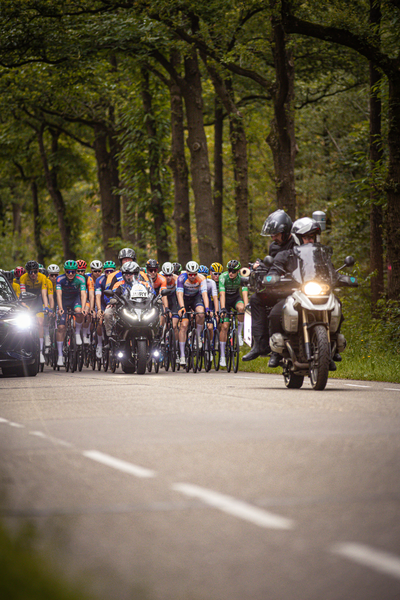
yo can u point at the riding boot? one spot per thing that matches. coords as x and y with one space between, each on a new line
259 348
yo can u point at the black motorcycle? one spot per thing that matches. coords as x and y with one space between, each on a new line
311 316
134 337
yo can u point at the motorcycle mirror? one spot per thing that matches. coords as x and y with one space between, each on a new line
26 296
108 293
349 261
268 260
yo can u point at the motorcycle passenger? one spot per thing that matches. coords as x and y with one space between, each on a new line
191 291
230 284
277 226
71 292
304 231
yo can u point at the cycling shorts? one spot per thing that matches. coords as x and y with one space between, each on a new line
191 302
173 304
74 303
231 301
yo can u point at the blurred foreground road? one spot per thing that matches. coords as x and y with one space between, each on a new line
206 486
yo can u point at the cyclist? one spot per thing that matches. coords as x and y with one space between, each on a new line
212 292
102 301
50 296
191 291
170 301
230 283
177 268
96 268
36 283
53 271
71 293
156 280
18 272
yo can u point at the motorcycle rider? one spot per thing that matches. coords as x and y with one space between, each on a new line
304 231
278 226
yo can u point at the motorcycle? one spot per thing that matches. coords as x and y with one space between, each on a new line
134 337
311 316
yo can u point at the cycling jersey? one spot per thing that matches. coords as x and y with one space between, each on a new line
71 288
16 286
211 290
231 286
157 283
33 287
191 287
99 287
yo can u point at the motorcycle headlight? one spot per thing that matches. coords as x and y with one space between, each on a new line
130 316
149 315
21 322
312 288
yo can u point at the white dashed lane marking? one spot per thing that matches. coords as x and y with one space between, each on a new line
369 557
120 465
234 507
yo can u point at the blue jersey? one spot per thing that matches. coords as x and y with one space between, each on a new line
71 289
99 287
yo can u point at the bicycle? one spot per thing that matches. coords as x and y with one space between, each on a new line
209 343
168 345
69 344
192 344
232 348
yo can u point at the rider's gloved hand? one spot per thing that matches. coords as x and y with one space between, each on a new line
223 311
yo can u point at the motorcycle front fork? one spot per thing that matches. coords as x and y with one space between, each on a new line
307 343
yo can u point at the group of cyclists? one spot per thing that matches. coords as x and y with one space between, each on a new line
205 291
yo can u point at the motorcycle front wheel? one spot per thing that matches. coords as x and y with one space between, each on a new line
141 348
321 353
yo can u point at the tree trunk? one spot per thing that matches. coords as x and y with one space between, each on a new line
179 169
51 176
200 167
218 176
281 138
36 223
157 200
109 201
376 154
393 190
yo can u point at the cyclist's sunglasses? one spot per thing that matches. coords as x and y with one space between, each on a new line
80 271
34 272
70 272
216 274
96 270
152 270
232 270
109 271
192 274
53 274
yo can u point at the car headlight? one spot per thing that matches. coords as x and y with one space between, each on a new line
312 288
21 322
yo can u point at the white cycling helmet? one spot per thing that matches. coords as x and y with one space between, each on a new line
167 268
192 267
96 264
53 269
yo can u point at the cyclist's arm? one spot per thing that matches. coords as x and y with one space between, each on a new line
181 301
51 301
59 299
91 299
205 300
245 296
44 296
221 299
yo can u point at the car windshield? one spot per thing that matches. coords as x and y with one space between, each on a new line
6 294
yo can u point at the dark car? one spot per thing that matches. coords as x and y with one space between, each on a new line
19 340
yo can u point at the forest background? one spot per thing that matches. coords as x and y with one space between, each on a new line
176 127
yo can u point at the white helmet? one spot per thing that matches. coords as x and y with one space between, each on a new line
96 264
53 268
192 267
304 226
167 268
130 267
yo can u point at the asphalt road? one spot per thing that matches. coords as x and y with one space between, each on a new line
207 486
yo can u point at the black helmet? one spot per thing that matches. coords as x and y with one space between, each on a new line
32 265
131 268
304 226
233 265
177 268
277 222
126 253
152 263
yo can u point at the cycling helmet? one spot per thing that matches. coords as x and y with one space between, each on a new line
152 263
167 268
304 226
130 268
126 253
82 264
32 265
41 266
18 272
96 264
233 265
177 268
277 222
70 265
216 267
192 266
109 264
43 271
204 270
53 269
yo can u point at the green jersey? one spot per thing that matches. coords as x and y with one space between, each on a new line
230 286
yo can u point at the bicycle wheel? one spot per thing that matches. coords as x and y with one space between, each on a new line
188 352
80 357
207 352
106 358
171 349
66 352
229 352
195 351
112 360
216 349
235 352
73 363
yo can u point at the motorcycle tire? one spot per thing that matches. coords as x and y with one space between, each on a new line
141 347
321 352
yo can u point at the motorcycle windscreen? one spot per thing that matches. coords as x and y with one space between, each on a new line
314 263
139 292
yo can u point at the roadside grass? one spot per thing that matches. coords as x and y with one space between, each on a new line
25 575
